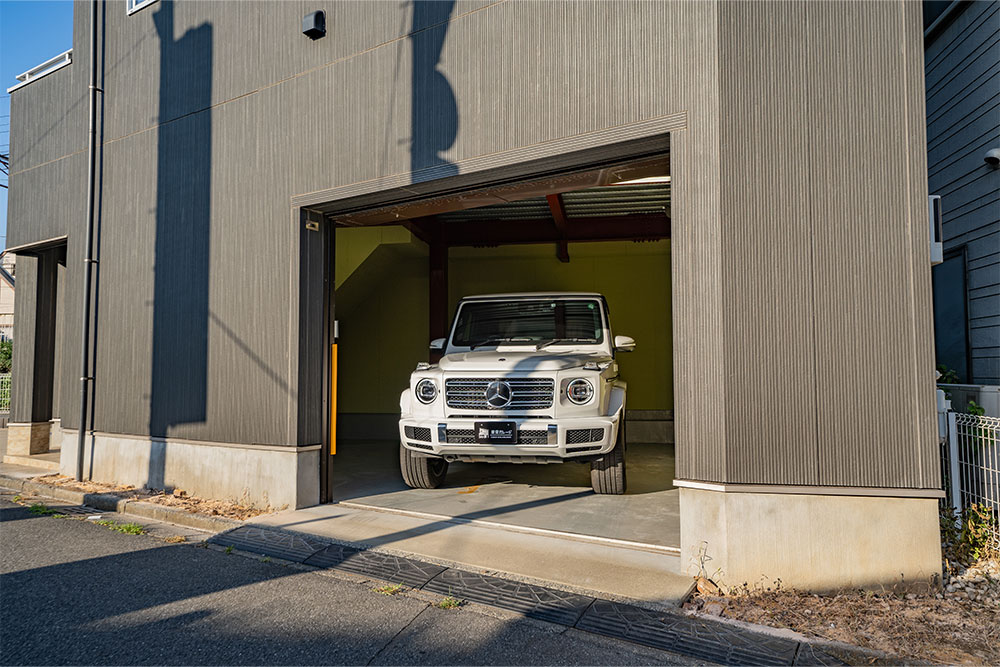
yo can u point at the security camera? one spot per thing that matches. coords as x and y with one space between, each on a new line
992 157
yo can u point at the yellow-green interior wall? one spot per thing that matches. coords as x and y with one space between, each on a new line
381 306
382 302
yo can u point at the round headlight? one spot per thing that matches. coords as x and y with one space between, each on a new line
580 391
427 391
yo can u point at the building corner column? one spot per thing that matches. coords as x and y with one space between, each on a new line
810 541
806 443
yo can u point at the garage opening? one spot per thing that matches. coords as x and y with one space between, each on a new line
399 273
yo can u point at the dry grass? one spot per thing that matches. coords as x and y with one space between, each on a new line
945 631
241 510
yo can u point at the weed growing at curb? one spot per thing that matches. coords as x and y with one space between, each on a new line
229 549
127 528
17 499
265 559
42 510
389 589
448 602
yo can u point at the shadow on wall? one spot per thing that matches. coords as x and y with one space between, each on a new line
434 113
178 391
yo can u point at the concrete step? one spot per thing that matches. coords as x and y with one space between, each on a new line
45 462
605 570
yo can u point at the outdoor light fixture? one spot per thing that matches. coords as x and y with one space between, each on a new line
992 157
649 180
314 25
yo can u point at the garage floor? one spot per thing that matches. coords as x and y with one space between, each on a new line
554 497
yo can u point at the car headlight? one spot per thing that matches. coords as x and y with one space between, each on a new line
427 391
580 391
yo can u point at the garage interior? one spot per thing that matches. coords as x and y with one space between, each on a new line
400 271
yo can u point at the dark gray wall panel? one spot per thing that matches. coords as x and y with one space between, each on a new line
768 246
23 367
283 116
825 249
48 119
48 201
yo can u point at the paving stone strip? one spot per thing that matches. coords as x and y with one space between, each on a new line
674 632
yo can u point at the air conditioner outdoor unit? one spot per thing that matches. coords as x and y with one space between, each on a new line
937 236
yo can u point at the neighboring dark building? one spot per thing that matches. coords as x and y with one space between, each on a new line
234 150
963 126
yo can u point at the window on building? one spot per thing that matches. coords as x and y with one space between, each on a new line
951 322
133 6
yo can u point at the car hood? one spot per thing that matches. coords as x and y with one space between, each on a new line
527 361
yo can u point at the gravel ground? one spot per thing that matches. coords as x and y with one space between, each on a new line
931 627
72 592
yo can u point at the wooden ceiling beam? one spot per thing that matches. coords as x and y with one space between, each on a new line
558 209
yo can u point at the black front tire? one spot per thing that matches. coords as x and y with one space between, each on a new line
607 474
421 472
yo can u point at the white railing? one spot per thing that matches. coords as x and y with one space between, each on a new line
4 392
970 463
44 69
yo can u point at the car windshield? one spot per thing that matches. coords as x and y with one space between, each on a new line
529 322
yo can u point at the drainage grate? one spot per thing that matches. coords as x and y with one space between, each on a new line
382 566
289 546
668 631
535 601
78 510
808 655
687 636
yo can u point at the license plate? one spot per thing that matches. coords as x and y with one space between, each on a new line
496 433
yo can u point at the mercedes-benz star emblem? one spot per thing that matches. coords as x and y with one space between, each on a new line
498 394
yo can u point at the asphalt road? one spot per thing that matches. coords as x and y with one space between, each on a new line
72 592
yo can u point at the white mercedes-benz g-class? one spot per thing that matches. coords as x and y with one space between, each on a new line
525 378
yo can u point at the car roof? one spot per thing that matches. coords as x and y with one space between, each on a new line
534 295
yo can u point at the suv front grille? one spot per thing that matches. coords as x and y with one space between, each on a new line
526 393
421 433
577 436
467 436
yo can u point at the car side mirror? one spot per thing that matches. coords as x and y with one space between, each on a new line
437 344
624 344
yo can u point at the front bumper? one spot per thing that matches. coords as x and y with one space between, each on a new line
539 440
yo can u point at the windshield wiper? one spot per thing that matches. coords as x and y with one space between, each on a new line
553 341
493 341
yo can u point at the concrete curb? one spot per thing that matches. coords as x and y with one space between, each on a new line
111 503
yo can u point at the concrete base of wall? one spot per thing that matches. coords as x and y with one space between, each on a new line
276 477
810 542
27 438
646 426
650 426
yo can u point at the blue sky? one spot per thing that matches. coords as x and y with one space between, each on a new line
31 32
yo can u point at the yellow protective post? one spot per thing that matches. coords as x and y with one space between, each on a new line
333 399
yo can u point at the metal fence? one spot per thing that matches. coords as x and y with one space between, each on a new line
4 392
970 462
